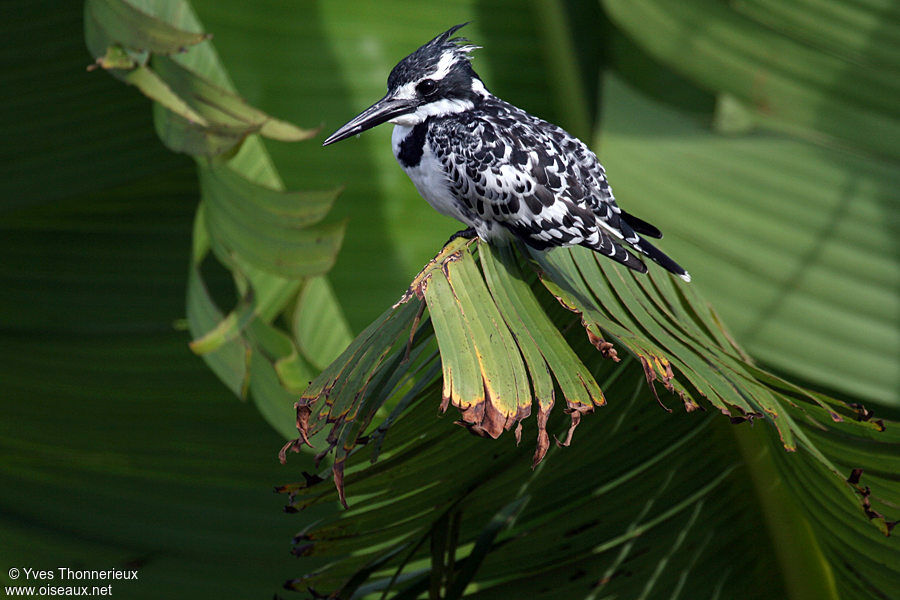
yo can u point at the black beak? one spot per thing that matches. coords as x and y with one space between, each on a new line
384 110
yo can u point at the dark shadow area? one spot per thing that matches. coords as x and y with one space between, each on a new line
510 36
642 72
120 449
592 33
64 130
515 35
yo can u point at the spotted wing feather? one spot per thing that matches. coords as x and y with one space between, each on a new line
536 181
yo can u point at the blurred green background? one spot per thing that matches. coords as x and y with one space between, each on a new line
760 136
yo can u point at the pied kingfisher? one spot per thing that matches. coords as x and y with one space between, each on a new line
495 167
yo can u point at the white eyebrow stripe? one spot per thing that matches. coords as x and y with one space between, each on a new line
406 91
448 59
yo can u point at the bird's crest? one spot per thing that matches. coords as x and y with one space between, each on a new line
460 45
428 56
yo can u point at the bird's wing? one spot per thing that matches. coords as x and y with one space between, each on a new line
599 198
534 179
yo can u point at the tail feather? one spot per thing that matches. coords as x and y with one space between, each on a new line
660 258
628 228
609 248
640 225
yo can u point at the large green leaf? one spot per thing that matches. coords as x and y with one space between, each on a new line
795 242
810 66
272 230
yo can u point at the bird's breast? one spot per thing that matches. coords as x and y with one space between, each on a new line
411 148
409 144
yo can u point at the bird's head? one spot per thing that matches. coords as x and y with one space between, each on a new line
435 80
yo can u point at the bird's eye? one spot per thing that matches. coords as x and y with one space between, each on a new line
426 87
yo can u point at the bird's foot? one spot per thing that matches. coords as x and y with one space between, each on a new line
467 234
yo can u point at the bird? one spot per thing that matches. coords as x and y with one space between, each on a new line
501 171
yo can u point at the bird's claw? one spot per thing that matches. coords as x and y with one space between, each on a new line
468 233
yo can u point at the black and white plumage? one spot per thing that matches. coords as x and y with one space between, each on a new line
499 170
